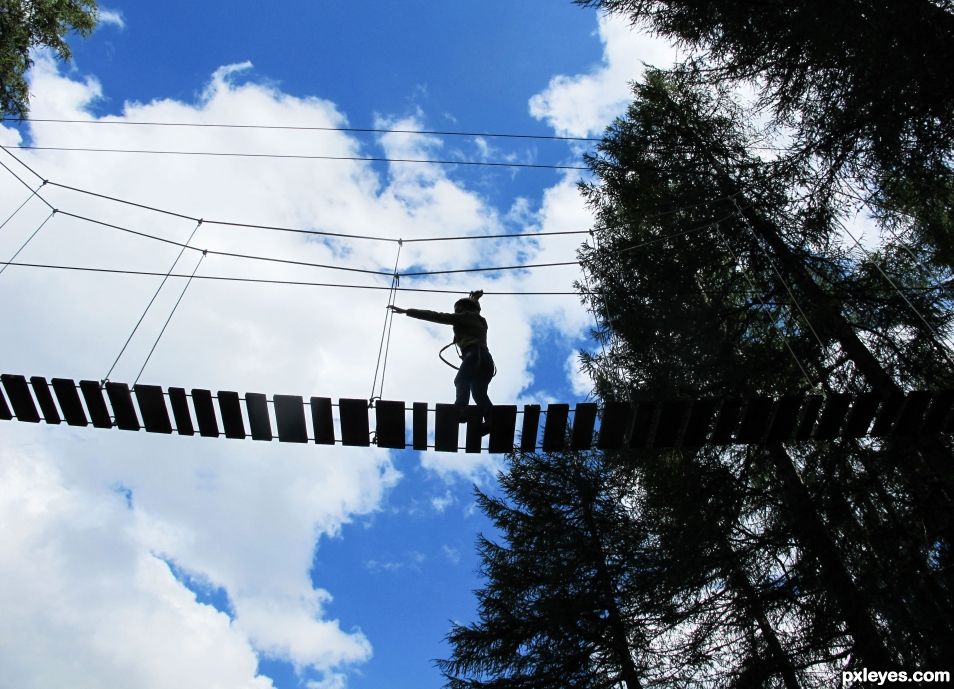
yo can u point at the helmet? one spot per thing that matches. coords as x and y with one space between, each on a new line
470 302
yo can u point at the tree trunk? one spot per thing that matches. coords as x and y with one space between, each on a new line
740 581
816 541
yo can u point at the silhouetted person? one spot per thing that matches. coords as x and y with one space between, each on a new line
477 366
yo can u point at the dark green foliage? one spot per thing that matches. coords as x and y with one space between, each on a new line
715 273
562 588
862 83
30 24
721 269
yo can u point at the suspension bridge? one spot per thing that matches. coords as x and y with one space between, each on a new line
646 423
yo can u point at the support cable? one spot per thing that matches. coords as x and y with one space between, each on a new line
768 326
301 156
386 330
936 339
293 283
206 221
359 130
171 314
791 294
149 305
20 207
28 240
606 361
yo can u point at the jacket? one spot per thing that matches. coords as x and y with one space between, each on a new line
469 328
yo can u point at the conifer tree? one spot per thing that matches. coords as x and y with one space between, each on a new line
713 277
861 90
770 566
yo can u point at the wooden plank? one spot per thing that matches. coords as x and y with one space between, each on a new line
152 408
700 422
419 426
21 401
95 403
613 425
230 407
389 424
940 411
911 417
672 416
887 414
530 428
179 402
646 412
503 425
446 425
730 413
205 413
323 421
290 419
123 409
5 413
833 416
584 421
784 418
861 415
41 389
554 428
755 421
69 399
259 422
810 411
474 435
355 427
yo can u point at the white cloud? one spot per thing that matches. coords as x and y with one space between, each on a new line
452 554
441 502
580 382
85 602
111 17
244 517
584 104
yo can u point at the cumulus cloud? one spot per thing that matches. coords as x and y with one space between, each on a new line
584 104
101 514
242 517
580 383
111 17
85 601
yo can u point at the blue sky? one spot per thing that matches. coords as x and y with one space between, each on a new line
148 561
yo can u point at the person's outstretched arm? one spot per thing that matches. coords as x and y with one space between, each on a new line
424 315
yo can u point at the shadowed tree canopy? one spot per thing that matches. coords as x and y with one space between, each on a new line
861 90
31 24
712 273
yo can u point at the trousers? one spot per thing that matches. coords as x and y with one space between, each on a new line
473 378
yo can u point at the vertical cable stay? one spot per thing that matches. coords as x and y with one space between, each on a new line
756 291
758 241
936 340
171 314
149 305
386 329
20 207
20 179
594 303
28 240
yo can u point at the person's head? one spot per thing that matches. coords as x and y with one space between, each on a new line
469 303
